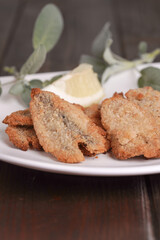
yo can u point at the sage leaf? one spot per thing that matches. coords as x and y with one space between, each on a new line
99 65
35 61
36 83
150 76
0 88
142 48
48 27
119 58
108 55
11 70
26 95
99 43
149 57
17 88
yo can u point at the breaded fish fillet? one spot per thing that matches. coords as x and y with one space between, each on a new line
148 99
62 128
93 112
23 117
19 118
23 137
131 130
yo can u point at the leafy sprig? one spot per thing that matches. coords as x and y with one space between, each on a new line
47 31
106 63
150 76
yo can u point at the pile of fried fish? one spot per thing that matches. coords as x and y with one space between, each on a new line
127 126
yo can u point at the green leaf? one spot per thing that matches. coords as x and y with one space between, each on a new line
108 55
48 27
142 48
48 82
11 70
99 44
119 58
149 57
0 88
26 95
98 64
35 61
36 83
150 76
17 88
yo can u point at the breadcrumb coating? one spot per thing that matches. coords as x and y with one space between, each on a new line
23 137
148 99
19 118
93 112
63 129
131 130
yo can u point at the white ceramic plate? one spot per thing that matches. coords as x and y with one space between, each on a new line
104 165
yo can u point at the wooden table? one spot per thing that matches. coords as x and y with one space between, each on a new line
40 205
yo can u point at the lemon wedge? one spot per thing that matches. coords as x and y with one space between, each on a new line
80 86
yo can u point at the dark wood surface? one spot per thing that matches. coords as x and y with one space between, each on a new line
39 205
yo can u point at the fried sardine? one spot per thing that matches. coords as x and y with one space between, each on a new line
131 130
62 128
23 137
148 99
19 118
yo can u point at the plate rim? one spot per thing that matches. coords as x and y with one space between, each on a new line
71 169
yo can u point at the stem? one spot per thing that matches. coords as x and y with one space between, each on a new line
126 65
17 79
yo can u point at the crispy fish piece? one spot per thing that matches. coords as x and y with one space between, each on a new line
23 137
93 112
20 130
131 130
62 128
19 118
148 99
23 117
79 106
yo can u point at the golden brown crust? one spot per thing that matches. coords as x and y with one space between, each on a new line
23 117
148 99
79 106
19 118
62 126
131 130
93 112
23 137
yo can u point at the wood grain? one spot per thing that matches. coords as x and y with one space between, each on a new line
137 21
10 15
153 189
35 204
